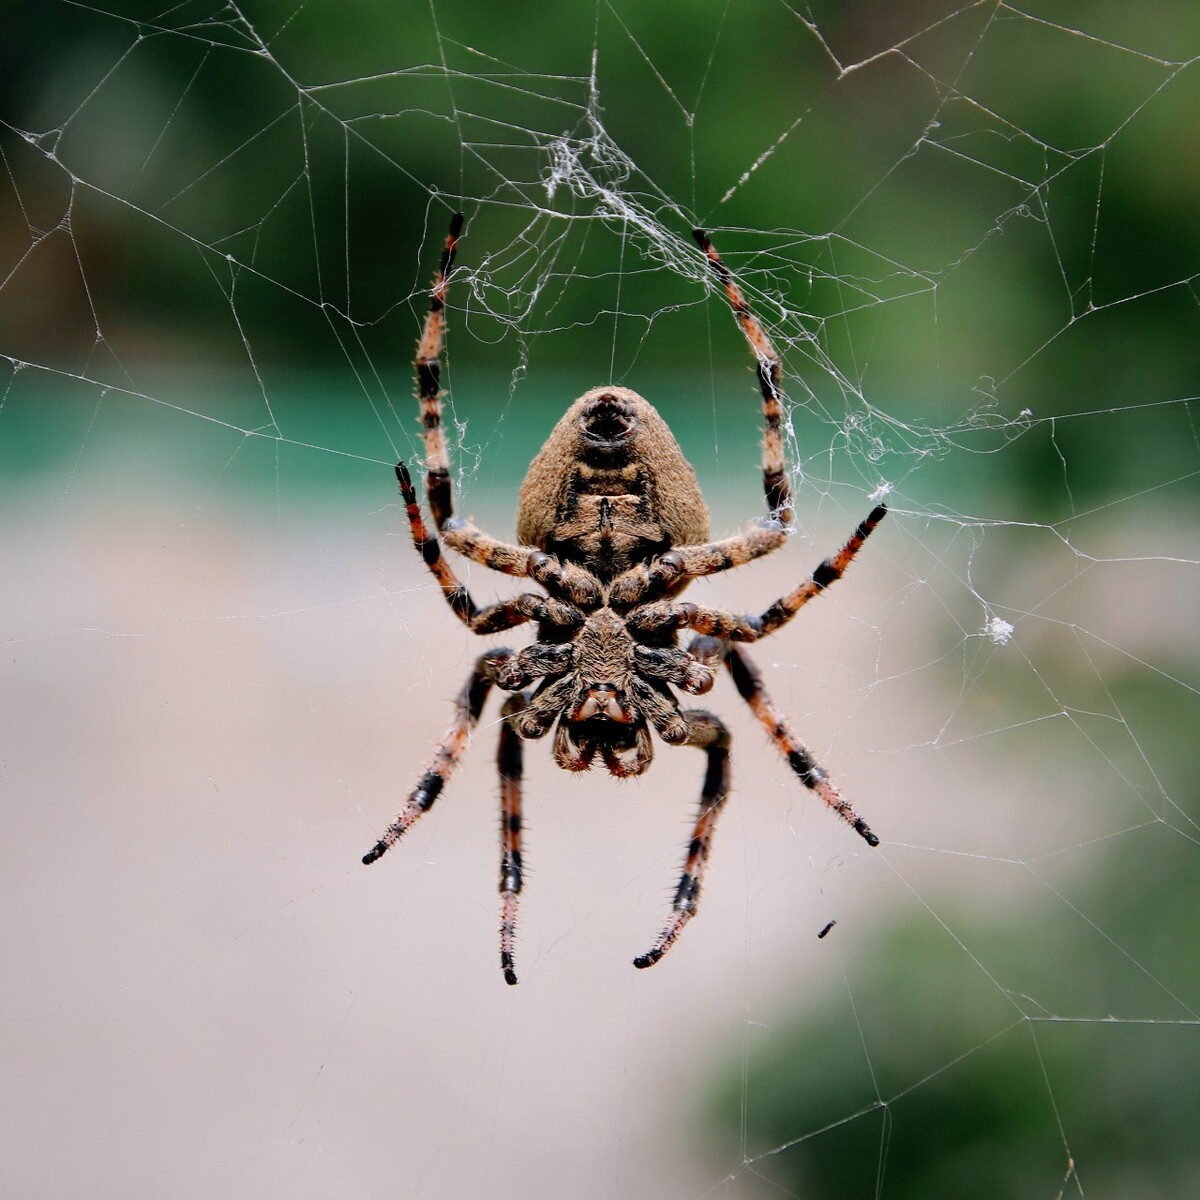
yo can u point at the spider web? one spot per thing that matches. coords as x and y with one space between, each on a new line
970 231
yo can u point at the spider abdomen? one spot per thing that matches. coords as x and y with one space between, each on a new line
611 486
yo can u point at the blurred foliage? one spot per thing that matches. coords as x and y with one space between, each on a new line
974 1089
1028 1033
954 247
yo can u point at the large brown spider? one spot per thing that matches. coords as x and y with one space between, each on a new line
612 525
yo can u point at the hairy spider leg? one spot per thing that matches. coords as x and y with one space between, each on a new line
648 581
709 733
776 488
461 534
428 367
828 572
509 760
747 627
504 614
748 681
467 707
675 666
565 581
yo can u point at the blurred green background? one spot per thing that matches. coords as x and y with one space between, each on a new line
971 229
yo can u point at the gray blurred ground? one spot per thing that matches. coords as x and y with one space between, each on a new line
212 708
214 700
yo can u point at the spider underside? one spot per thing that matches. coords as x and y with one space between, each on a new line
612 526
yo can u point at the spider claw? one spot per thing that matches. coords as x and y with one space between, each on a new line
376 852
679 918
407 491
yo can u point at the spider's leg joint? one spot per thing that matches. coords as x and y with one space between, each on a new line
429 382
510 879
689 885
826 574
667 569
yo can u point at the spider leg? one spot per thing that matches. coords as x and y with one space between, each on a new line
471 542
749 683
509 760
648 581
746 627
467 707
654 619
707 732
428 368
461 534
776 487
661 709
536 662
673 665
562 579
529 606
830 571
549 700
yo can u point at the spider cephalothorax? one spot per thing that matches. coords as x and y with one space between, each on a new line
612 526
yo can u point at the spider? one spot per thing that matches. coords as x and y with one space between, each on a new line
612 526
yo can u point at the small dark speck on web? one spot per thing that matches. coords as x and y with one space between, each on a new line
826 929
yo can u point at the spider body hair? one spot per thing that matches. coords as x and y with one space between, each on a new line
610 488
